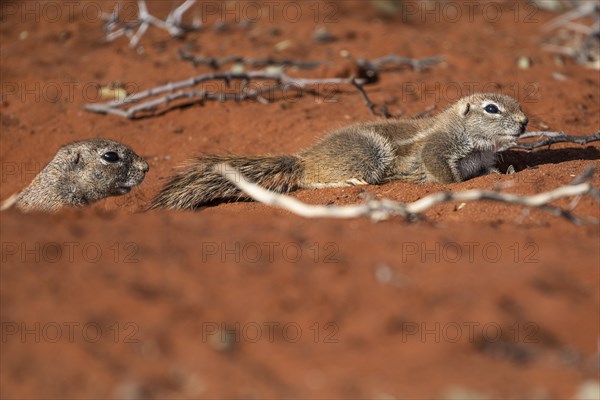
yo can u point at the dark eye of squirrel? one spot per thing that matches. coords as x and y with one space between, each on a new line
492 109
110 156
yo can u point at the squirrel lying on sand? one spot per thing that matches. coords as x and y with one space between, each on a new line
455 145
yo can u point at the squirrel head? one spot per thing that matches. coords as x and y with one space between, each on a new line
91 170
493 121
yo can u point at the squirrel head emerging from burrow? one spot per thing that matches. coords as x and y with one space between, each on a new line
84 172
99 168
493 121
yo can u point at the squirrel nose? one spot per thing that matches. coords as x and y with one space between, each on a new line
144 166
524 120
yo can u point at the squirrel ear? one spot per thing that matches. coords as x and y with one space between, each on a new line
465 108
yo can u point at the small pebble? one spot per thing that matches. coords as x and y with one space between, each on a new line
524 62
274 69
112 93
383 274
223 340
549 5
388 7
284 44
237 68
275 32
559 77
322 35
64 36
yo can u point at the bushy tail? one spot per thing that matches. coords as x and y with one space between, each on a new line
199 184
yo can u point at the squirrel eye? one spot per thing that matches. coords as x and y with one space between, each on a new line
491 109
110 156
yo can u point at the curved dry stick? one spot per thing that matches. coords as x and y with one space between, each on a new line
383 209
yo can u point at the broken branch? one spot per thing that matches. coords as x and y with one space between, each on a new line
173 91
553 138
385 208
134 30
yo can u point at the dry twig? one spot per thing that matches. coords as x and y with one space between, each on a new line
552 138
173 91
382 209
134 30
588 8
584 43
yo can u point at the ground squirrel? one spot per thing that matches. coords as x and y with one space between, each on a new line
81 173
455 145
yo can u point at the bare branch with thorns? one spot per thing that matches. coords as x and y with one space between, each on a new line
134 30
383 209
589 8
583 45
367 70
552 138
174 91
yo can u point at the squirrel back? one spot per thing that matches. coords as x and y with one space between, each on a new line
347 158
457 144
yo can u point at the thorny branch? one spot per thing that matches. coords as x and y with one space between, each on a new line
584 46
584 9
552 138
173 91
382 209
367 70
134 30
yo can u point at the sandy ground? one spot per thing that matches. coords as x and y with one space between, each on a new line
245 301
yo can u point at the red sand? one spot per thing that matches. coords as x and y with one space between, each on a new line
242 300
